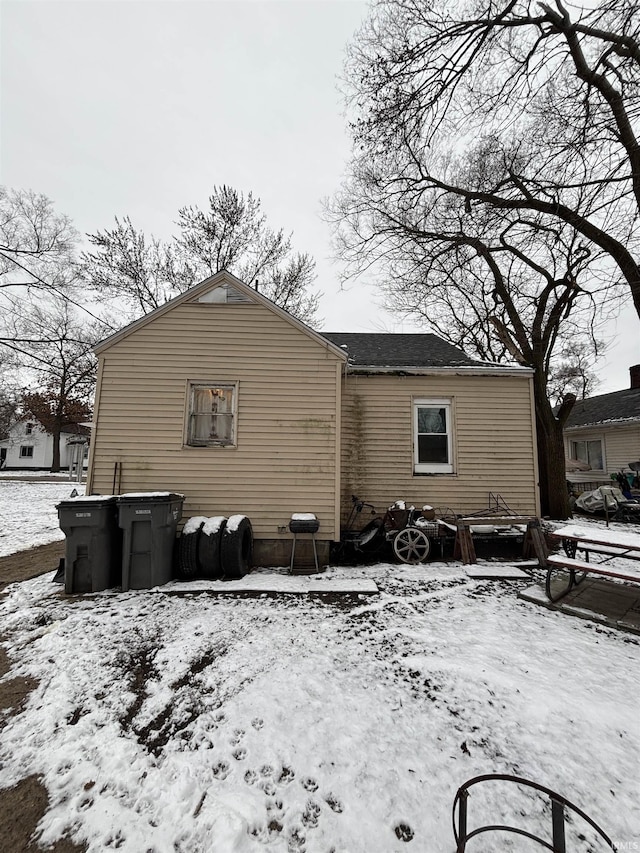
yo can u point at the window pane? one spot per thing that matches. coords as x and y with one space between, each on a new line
432 420
594 452
579 451
211 417
432 448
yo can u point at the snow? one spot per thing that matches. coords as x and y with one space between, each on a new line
304 516
213 524
195 722
140 495
28 514
234 522
193 524
605 536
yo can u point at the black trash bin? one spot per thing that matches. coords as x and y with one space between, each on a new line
149 521
93 548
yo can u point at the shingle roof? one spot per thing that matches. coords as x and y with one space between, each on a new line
391 350
617 406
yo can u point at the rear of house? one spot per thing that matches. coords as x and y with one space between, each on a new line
225 398
222 396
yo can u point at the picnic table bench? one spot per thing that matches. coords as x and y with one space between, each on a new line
605 543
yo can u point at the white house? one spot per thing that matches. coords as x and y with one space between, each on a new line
29 445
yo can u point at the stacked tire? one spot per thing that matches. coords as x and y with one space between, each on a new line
216 547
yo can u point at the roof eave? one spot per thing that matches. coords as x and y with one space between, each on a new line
613 423
467 370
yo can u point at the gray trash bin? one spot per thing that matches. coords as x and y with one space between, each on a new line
93 548
149 521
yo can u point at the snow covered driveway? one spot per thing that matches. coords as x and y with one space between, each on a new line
201 723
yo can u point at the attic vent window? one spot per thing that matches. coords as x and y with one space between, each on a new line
212 414
28 429
223 295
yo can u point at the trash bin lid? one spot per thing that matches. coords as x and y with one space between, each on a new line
95 501
150 497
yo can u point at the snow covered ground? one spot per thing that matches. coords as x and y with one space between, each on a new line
28 513
197 722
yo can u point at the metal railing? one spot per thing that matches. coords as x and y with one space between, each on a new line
559 808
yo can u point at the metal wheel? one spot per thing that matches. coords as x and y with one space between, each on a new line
411 546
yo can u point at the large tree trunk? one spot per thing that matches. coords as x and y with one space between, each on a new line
554 495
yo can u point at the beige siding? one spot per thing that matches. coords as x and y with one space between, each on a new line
621 445
288 397
494 442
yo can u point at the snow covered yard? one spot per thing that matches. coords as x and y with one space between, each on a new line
28 513
194 722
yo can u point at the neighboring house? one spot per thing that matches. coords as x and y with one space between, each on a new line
604 433
29 445
224 397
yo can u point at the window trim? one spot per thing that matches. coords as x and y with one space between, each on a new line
26 455
195 384
433 467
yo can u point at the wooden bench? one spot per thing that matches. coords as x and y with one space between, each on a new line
606 543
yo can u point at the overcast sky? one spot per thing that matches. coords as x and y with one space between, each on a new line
138 107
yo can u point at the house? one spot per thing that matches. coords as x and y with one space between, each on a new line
603 433
221 395
29 446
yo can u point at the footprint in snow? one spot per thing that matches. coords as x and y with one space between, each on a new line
257 723
221 770
403 832
334 803
239 753
309 784
311 815
287 775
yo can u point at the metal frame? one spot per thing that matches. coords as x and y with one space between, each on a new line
559 805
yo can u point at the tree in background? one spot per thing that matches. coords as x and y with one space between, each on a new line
55 350
37 245
487 186
231 234
550 93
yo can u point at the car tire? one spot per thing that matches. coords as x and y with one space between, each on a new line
236 547
209 547
187 557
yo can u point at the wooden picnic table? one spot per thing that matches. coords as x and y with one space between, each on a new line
607 544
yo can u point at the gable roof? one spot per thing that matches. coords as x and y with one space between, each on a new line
394 352
241 292
616 407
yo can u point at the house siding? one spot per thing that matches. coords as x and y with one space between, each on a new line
287 440
493 442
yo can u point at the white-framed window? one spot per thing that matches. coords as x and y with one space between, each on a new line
26 451
591 452
432 436
28 429
211 417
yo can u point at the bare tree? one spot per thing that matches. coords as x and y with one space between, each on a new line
231 234
36 243
491 182
552 92
55 349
